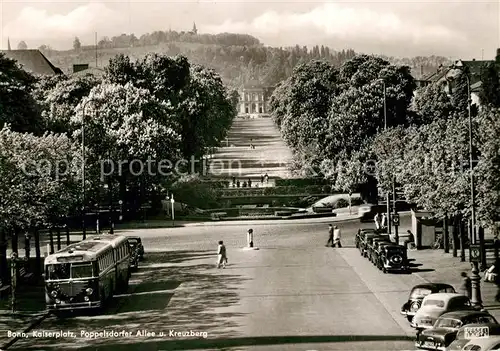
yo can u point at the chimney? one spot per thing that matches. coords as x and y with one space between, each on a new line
8 45
497 58
80 67
473 59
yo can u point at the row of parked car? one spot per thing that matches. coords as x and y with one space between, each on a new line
384 254
445 320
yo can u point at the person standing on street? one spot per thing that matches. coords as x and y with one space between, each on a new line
336 237
376 219
330 236
221 255
466 287
383 225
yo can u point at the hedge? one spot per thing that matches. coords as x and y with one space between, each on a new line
301 182
278 190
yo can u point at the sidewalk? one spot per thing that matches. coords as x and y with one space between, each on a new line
30 311
445 268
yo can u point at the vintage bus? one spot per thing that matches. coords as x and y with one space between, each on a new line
85 275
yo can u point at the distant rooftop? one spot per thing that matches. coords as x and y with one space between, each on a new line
32 61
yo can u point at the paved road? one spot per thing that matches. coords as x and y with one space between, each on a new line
292 294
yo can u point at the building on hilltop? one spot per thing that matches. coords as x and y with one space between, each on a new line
194 30
446 76
32 61
254 99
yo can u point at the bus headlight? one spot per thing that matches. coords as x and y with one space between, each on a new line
54 293
89 291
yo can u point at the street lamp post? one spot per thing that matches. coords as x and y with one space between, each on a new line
83 170
476 299
388 195
173 209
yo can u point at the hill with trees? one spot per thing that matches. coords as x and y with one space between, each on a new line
238 58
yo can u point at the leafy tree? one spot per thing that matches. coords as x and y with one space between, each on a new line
58 98
76 44
490 87
432 103
22 45
460 91
17 106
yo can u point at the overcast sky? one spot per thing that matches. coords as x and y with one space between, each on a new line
456 29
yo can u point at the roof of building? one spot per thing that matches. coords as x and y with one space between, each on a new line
33 61
435 76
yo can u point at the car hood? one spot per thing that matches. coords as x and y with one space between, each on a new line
429 312
438 333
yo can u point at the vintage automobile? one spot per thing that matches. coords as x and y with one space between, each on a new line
435 305
483 344
378 250
393 258
361 233
373 244
365 242
473 331
446 328
417 294
136 251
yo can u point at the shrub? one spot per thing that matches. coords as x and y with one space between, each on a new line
193 191
341 203
300 182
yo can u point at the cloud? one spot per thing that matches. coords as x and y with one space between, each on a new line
343 22
33 23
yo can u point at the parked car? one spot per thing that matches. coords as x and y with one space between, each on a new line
435 305
361 233
377 251
393 258
373 244
472 331
365 241
483 344
136 251
417 294
446 328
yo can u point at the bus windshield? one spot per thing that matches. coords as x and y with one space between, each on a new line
69 270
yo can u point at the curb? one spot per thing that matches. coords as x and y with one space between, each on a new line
30 326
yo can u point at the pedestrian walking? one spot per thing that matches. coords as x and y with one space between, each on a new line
466 286
261 179
330 236
234 181
237 183
249 183
336 237
27 245
266 178
377 219
221 255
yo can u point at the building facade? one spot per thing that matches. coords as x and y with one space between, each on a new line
254 99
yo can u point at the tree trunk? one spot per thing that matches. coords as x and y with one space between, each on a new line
51 237
15 238
455 236
38 264
58 237
462 241
4 268
483 248
446 235
68 242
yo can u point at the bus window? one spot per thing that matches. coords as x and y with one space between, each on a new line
81 270
58 271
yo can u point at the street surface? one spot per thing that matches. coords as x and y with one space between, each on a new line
293 293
